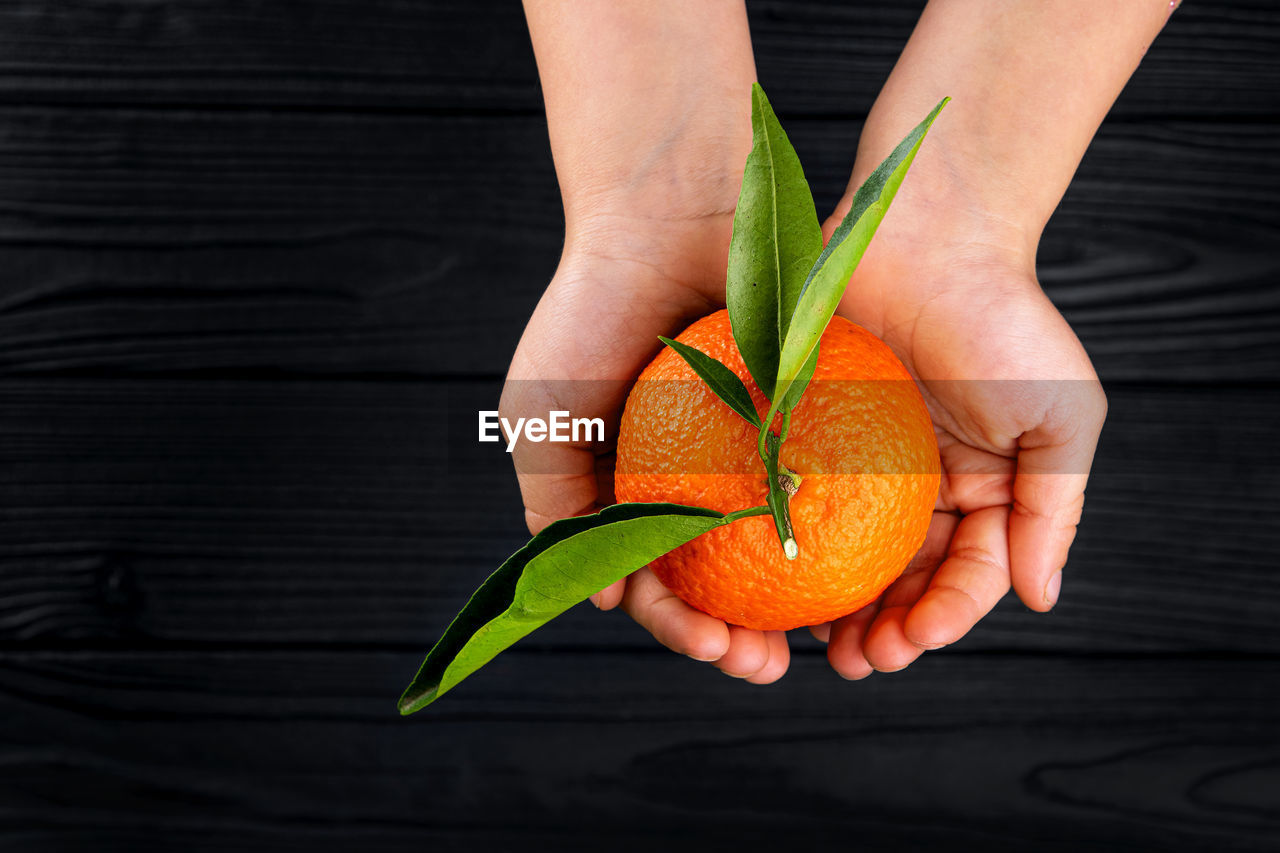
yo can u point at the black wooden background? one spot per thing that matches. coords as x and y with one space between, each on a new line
256 261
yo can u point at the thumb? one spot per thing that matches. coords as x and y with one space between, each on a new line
557 479
1048 490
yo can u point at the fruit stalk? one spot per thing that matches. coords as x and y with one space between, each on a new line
783 483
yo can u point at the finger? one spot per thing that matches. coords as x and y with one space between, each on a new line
747 655
844 651
885 644
1048 491
821 633
779 659
611 596
557 479
972 579
973 478
672 622
937 540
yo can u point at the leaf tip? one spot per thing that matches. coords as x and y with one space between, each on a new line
415 698
760 106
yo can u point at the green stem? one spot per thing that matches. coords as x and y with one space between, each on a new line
781 487
747 513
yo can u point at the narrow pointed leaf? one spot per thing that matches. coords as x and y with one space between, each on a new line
830 274
776 239
561 566
796 388
719 378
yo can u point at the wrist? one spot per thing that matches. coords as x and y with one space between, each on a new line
650 238
658 186
943 228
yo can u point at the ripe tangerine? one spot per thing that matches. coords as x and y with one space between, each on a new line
861 440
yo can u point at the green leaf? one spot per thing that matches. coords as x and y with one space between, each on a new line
776 239
719 378
796 389
561 566
830 274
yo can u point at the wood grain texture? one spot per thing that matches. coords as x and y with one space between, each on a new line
163 241
284 512
240 357
824 57
280 750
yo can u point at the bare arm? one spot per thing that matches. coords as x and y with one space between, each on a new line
648 110
949 282
1031 82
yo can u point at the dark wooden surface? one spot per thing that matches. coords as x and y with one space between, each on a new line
239 357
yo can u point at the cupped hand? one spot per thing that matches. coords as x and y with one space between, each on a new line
594 330
1017 409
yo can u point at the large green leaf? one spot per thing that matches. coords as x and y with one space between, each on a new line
561 566
719 378
776 239
830 274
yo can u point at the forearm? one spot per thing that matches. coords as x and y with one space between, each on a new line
1030 82
648 104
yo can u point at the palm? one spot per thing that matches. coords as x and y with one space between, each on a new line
990 353
595 328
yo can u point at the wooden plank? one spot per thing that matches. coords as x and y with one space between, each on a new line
283 512
258 750
161 241
827 57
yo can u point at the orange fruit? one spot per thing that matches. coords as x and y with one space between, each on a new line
862 441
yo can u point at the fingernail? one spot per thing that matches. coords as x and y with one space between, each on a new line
594 601
854 677
1052 588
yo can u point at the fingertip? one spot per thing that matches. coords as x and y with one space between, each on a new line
1052 590
747 655
845 648
779 659
849 665
709 644
1037 555
886 645
672 622
611 596
821 633
538 521
941 616
693 633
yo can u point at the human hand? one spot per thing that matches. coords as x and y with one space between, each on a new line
650 123
594 330
1016 406
949 283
